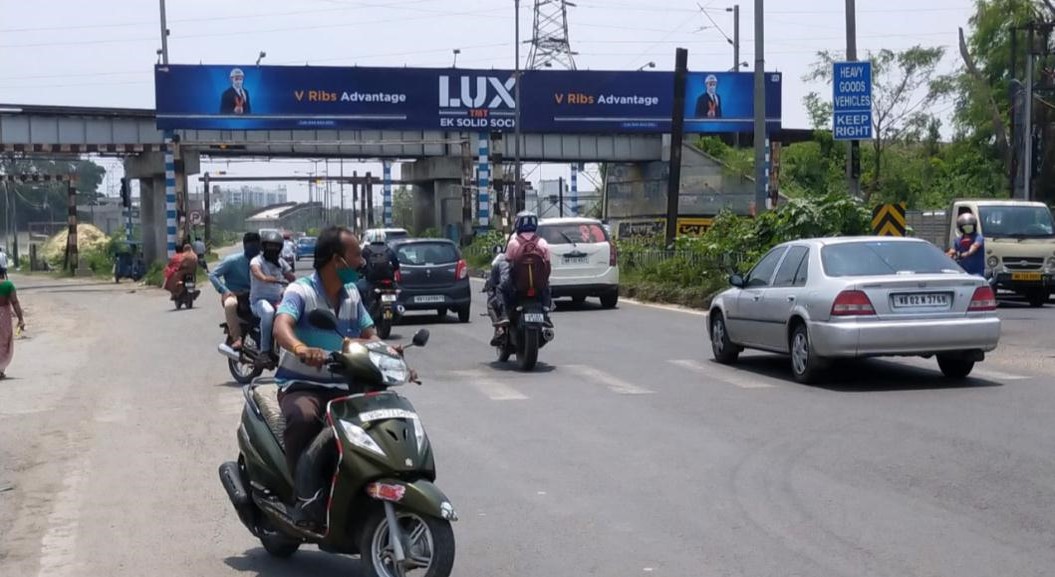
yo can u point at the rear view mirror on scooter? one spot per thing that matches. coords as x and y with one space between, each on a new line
322 320
421 338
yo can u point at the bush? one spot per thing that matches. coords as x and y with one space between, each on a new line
155 274
478 254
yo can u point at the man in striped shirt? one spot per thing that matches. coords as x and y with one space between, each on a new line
305 386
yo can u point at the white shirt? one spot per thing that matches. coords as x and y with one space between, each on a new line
3 259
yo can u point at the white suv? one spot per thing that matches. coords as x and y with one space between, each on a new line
584 259
384 235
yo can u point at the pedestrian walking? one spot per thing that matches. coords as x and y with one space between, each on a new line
8 301
3 263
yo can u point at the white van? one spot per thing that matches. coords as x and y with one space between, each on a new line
583 259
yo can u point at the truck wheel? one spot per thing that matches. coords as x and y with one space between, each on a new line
1037 297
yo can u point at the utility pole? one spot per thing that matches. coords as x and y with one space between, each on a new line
1027 121
736 55
164 36
560 197
677 135
760 108
853 156
516 127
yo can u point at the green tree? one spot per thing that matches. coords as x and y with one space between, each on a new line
403 207
906 86
47 201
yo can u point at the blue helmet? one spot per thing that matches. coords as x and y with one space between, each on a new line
525 221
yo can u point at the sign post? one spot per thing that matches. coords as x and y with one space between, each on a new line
852 109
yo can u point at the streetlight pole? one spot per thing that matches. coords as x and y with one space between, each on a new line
760 109
736 55
516 129
853 182
164 36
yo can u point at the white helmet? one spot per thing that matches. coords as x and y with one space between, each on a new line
710 79
237 72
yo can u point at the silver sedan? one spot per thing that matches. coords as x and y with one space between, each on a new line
856 297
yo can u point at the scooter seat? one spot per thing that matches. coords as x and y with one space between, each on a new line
266 397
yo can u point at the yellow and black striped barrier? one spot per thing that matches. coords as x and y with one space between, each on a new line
889 220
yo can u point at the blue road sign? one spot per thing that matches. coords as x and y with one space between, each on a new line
852 100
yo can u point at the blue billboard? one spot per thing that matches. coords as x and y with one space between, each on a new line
452 99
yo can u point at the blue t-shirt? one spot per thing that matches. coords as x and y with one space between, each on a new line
300 299
231 275
974 264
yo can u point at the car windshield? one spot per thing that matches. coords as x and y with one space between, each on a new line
1016 221
573 233
426 253
872 258
394 234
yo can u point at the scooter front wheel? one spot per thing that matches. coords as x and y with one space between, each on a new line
428 545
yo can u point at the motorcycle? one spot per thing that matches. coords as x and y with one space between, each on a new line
529 330
384 308
188 294
382 503
246 363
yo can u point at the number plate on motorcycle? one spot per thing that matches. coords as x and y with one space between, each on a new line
386 414
534 318
429 299
388 298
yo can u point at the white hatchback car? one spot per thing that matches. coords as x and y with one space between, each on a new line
384 235
584 259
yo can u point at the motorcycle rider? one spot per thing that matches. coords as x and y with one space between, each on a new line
381 264
496 287
230 278
269 275
525 238
969 249
304 386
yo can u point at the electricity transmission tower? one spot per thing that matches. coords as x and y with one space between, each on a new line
549 40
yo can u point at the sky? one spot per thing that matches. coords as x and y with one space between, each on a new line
102 52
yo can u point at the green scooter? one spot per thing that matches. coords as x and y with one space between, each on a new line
381 503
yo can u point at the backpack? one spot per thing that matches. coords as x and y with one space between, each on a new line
531 269
379 265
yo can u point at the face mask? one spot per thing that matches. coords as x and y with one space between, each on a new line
968 229
237 84
346 273
712 89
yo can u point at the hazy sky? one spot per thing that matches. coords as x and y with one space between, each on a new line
102 52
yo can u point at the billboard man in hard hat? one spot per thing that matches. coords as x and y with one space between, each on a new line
709 105
235 100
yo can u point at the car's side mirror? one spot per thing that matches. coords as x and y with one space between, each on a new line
736 280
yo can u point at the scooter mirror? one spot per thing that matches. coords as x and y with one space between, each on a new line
322 320
421 338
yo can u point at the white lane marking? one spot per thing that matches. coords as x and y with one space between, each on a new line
614 384
58 547
491 387
726 374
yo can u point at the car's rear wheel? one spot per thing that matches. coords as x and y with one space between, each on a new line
463 314
610 300
723 349
955 367
806 366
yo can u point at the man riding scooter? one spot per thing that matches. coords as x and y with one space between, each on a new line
230 278
269 275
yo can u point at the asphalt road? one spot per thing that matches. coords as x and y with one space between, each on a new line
628 452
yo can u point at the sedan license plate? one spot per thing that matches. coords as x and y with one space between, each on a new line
534 318
1026 276
429 299
923 300
575 260
388 298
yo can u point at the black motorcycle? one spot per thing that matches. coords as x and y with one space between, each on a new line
246 363
529 330
384 308
188 292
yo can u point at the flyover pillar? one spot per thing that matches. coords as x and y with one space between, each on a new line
149 169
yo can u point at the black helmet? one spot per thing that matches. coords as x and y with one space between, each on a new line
271 237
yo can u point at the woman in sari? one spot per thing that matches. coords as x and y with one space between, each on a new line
8 301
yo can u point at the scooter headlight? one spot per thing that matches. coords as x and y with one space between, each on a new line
393 369
358 437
